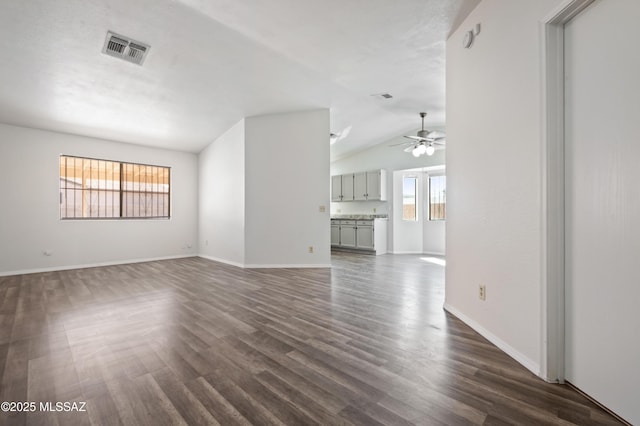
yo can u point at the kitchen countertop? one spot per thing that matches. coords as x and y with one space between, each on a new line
359 216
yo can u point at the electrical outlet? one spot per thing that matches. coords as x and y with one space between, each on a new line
310 249
375 210
483 292
339 210
322 209
47 252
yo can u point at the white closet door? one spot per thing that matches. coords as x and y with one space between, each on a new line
602 154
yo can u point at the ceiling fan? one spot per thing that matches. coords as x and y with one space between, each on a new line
424 142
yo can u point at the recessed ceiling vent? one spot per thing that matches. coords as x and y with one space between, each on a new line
125 48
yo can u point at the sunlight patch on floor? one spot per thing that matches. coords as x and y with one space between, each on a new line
435 260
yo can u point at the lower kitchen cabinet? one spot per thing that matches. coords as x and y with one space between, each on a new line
335 234
366 235
348 233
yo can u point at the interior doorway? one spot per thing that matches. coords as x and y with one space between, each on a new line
419 211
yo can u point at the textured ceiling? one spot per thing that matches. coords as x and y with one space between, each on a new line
213 62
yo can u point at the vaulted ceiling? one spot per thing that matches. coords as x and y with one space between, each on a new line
213 62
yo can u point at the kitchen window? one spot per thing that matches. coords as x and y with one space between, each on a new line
103 189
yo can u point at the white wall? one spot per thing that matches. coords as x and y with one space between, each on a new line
434 237
30 211
287 180
221 197
494 175
603 205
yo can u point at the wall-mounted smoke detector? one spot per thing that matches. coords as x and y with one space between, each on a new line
125 48
382 95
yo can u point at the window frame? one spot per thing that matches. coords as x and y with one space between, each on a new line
121 191
444 208
415 198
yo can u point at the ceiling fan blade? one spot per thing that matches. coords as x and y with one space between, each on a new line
401 143
416 138
409 148
430 139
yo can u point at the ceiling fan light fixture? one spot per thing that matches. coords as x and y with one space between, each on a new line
424 141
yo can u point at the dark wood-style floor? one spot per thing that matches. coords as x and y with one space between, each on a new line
192 341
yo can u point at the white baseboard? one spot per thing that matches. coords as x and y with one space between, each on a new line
264 266
225 261
529 364
432 253
275 266
153 259
91 265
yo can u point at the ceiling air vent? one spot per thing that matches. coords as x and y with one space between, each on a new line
125 48
382 95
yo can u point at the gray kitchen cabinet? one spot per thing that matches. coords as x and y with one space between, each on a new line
366 235
361 186
335 232
348 233
376 182
347 187
336 188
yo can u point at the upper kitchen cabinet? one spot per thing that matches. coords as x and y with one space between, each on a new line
362 186
336 188
370 185
377 185
342 187
347 187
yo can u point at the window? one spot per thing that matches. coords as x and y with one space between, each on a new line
437 197
101 189
409 198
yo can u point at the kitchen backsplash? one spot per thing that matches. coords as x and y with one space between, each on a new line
360 207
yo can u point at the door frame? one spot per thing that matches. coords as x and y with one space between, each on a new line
552 366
